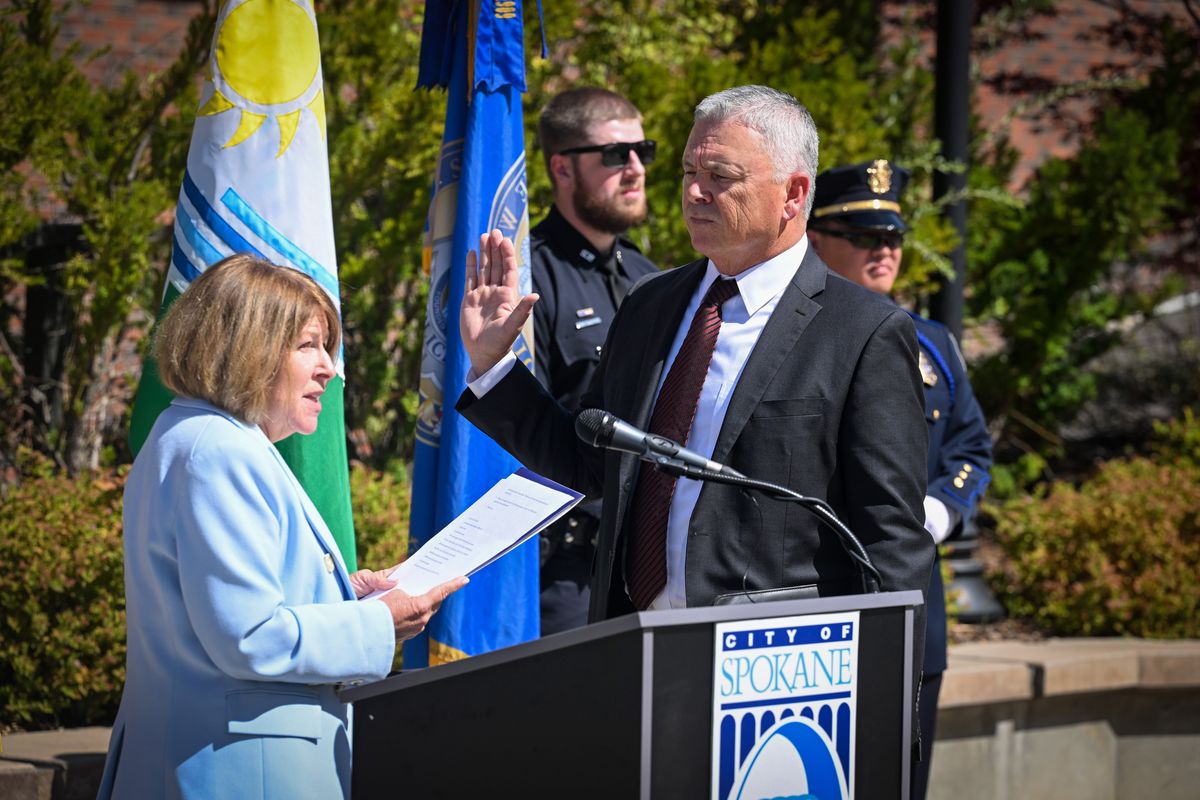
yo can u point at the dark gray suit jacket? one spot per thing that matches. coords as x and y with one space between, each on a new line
830 404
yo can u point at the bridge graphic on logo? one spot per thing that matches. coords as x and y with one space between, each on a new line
801 749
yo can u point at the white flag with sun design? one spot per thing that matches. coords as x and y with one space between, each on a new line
257 181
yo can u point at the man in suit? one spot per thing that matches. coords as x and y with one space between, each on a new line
858 230
811 381
596 156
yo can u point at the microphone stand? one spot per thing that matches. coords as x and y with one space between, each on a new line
818 507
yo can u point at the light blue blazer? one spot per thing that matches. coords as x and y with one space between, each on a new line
241 620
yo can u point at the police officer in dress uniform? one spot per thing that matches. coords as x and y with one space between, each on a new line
596 156
857 228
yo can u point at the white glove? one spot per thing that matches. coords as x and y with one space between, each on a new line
940 519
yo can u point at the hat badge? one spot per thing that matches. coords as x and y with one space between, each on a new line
879 176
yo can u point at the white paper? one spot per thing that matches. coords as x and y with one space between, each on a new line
506 516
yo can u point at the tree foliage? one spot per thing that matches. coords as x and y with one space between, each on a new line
664 56
86 206
90 176
1103 236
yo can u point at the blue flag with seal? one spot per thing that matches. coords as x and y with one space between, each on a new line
476 50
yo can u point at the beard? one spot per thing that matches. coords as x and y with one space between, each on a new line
608 214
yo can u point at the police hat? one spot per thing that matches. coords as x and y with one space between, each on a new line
865 195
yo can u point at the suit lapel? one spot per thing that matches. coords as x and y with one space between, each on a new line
317 525
673 291
791 317
676 290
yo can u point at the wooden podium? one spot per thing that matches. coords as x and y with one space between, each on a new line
619 709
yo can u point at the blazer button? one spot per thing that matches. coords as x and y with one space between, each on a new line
328 563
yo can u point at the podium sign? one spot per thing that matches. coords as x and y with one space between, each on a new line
784 698
777 699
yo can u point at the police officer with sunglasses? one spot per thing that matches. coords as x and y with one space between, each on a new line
857 228
596 155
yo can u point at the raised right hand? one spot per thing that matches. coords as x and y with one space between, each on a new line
493 310
411 613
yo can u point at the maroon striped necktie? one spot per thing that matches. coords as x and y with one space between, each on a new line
674 411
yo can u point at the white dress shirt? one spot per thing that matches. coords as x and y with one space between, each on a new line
743 318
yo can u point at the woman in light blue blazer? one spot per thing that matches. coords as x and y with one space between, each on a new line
241 617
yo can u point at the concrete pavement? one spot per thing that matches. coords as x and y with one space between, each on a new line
1153 687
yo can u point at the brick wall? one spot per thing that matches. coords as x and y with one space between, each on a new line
142 35
1070 45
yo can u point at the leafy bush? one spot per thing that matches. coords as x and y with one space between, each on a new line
1178 441
62 629
381 508
1118 555
381 505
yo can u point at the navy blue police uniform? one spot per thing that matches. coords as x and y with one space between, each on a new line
960 456
866 196
580 289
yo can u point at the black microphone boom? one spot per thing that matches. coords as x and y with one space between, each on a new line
601 429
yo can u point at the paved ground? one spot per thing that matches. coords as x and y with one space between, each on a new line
67 764
52 765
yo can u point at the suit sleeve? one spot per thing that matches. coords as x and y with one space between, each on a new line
521 416
883 445
963 460
230 504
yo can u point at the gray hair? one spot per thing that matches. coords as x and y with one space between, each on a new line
788 131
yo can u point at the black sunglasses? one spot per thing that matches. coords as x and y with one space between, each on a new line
617 153
866 240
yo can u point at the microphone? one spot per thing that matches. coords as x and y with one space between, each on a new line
601 429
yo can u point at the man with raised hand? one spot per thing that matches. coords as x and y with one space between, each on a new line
755 356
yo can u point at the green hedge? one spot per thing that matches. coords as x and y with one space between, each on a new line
381 504
62 630
1118 555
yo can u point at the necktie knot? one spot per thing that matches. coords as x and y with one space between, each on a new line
721 290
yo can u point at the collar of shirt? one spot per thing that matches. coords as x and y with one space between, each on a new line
758 285
575 247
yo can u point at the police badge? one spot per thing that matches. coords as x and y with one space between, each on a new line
928 373
879 176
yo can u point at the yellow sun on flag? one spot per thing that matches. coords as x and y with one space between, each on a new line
266 62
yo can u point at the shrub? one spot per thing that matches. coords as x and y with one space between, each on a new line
62 630
381 505
1118 555
1178 441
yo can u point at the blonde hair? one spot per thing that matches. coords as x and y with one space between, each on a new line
225 339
